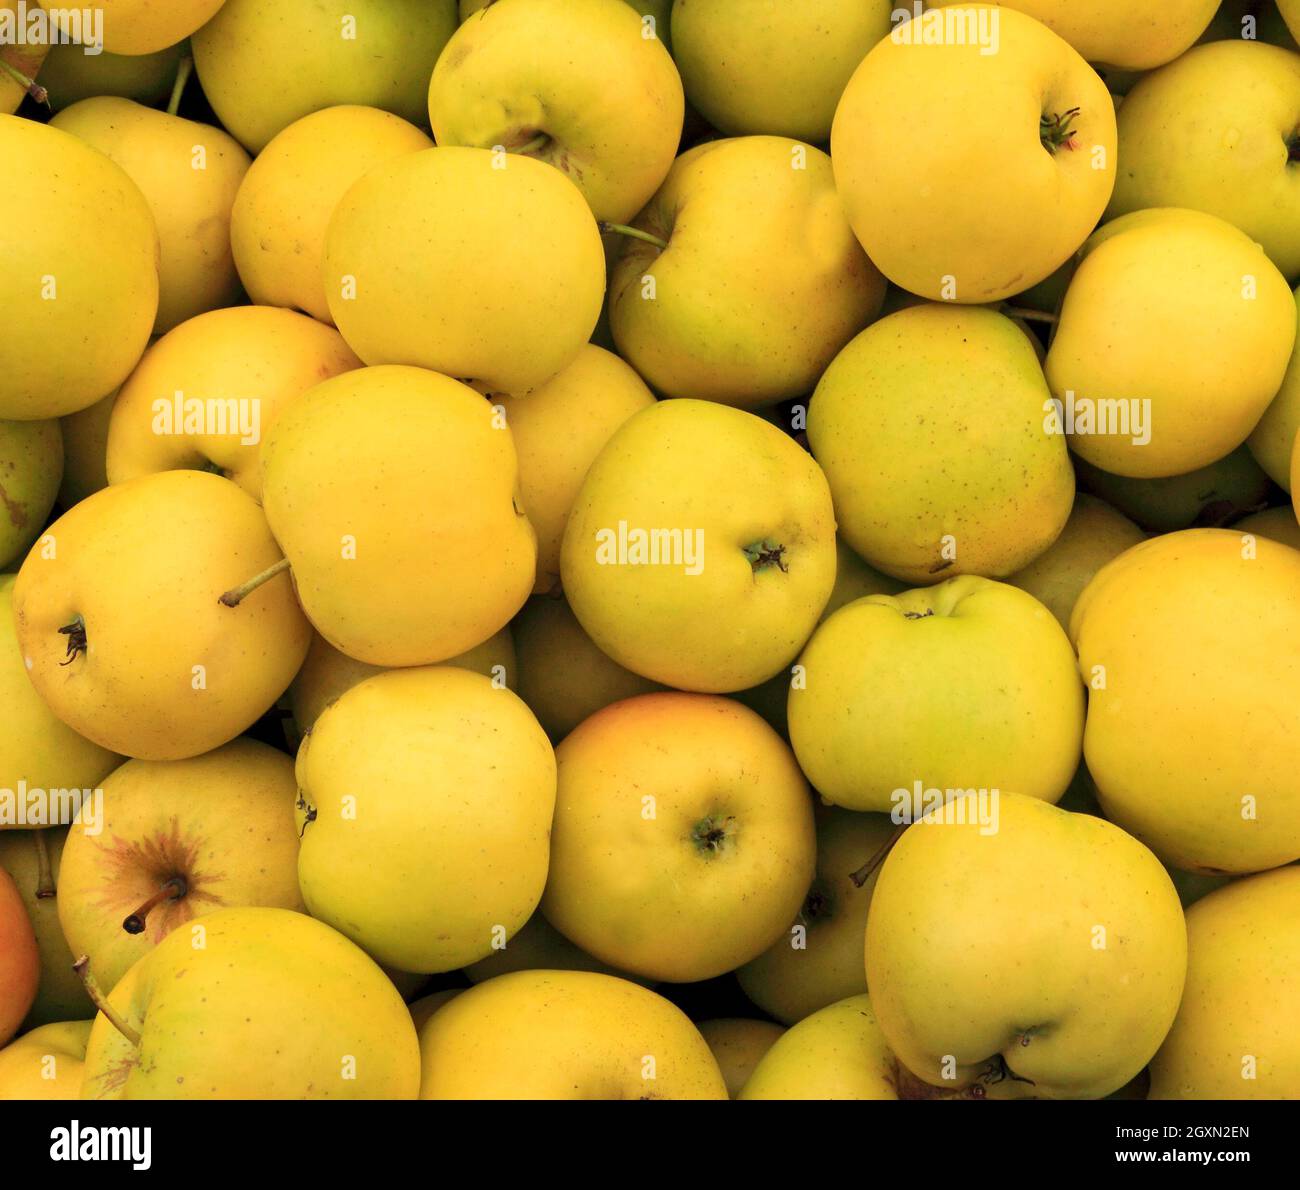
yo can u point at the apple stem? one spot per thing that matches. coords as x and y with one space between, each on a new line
236 595
44 872
100 1001
31 86
1029 315
635 232
864 873
531 146
173 890
178 87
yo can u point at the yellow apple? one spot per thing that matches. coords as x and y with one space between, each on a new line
131 26
975 151
701 548
31 469
575 83
327 673
1094 534
1235 1036
24 855
189 173
1119 32
1290 10
205 395
46 1063
1279 524
193 835
773 68
415 786
119 622
563 675
683 841
818 960
1223 318
558 430
71 75
1216 131
539 946
85 451
1190 645
1274 435
220 1012
393 493
284 204
739 1045
1013 944
264 66
564 1035
979 483
20 959
446 258
423 1008
80 283
20 58
756 280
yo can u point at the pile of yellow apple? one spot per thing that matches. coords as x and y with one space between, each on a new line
511 509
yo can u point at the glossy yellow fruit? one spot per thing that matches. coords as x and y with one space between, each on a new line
683 841
244 975
430 562
80 284
205 395
31 469
738 1045
539 946
1221 309
1279 524
1234 1036
85 451
414 786
284 204
438 259
1274 435
189 174
564 1035
1015 170
976 484
156 667
132 26
46 1063
1193 734
1028 946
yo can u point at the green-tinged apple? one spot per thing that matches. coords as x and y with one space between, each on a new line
31 469
539 946
993 700
20 959
701 548
172 841
1017 946
564 1035
80 283
189 173
424 565
574 83
818 960
205 395
1002 198
1224 316
1217 131
438 259
1193 733
1273 437
253 1003
683 841
70 75
773 68
558 430
393 839
264 66
743 278
1235 1036
979 483
1094 534
85 451
1278 524
46 1063
120 627
284 204
738 1045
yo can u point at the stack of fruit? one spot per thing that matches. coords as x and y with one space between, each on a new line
546 561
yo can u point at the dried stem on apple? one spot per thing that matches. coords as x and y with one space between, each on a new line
31 86
864 873
236 595
100 1001
172 890
538 142
178 87
635 232
44 872
1029 315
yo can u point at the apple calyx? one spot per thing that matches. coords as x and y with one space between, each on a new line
1056 130
75 631
171 890
31 86
100 1001
765 553
44 872
818 905
864 873
714 833
308 810
236 595
634 232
